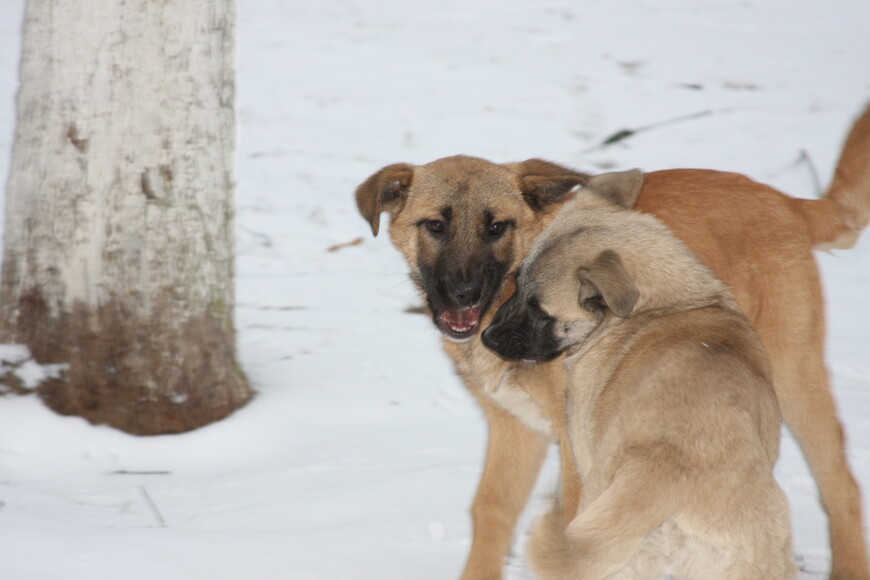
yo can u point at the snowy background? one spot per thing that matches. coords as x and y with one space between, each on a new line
361 453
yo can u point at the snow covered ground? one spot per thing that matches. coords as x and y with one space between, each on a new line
360 455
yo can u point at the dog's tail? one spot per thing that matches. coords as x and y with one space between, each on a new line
606 534
837 219
550 553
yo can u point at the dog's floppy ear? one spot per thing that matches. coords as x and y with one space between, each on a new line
386 190
621 188
606 277
543 183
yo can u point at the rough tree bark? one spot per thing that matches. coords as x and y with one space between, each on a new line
118 255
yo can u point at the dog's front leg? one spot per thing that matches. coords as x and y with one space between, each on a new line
514 457
571 485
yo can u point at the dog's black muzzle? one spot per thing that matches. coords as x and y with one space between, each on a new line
460 296
522 332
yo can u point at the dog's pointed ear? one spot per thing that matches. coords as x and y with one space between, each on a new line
543 182
607 279
621 188
386 190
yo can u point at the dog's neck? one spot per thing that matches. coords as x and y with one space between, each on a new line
629 329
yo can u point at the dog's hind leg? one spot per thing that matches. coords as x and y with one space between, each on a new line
809 411
794 339
514 457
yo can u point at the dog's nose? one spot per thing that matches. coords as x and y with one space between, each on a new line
467 293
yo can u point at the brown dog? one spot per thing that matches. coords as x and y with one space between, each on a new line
465 224
671 411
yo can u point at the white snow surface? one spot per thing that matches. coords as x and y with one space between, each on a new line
361 453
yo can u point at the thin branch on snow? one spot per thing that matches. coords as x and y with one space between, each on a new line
623 134
818 189
161 523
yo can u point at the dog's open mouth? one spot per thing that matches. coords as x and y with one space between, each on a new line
459 324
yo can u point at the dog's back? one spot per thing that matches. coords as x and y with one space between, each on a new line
688 418
676 446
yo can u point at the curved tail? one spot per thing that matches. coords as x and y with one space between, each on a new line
605 536
836 221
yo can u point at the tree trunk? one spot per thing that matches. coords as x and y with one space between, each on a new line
118 256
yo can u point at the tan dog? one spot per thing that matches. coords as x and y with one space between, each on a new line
464 225
671 412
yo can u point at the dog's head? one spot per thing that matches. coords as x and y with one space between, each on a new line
597 262
557 305
464 225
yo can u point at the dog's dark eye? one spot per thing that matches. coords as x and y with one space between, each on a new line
496 229
436 226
